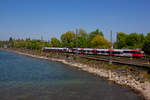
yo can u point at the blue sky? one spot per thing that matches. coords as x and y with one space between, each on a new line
51 18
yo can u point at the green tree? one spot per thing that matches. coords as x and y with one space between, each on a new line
1 44
47 44
146 45
55 42
29 44
20 44
36 44
82 38
92 35
141 40
131 40
10 39
68 39
82 32
100 42
121 40
135 40
11 42
82 42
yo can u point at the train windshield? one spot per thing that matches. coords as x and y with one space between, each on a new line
142 52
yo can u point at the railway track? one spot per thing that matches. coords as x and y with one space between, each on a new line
137 62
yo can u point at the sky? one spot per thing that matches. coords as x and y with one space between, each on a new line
51 18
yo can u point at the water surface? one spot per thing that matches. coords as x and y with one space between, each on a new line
25 78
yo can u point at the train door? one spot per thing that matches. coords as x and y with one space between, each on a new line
127 53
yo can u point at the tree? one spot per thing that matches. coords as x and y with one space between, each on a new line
135 40
100 42
92 35
146 45
36 44
20 44
82 32
29 44
141 40
11 42
82 42
68 39
82 38
47 44
55 42
10 39
121 40
132 40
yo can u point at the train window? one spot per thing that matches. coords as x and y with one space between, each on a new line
107 51
136 52
127 51
132 51
94 51
83 51
116 52
88 51
98 51
102 51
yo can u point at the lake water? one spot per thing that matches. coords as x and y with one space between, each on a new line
25 78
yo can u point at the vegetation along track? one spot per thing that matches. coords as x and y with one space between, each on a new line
142 63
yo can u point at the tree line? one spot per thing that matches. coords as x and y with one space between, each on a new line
83 39
94 39
133 41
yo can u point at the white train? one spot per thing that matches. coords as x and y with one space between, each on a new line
91 51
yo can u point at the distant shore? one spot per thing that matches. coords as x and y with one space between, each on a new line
126 79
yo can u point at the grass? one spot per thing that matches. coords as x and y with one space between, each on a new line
147 56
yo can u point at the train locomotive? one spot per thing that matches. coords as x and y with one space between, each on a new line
104 52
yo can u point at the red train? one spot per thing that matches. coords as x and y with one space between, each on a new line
106 52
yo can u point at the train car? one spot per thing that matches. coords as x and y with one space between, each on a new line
133 53
108 52
121 52
55 49
105 52
117 52
67 50
85 51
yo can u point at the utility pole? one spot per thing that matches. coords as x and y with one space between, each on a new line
42 41
41 37
110 60
76 44
117 40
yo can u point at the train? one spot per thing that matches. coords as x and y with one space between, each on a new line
92 51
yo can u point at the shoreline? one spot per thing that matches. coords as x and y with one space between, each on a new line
128 81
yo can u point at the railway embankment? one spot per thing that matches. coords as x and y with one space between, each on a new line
136 79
